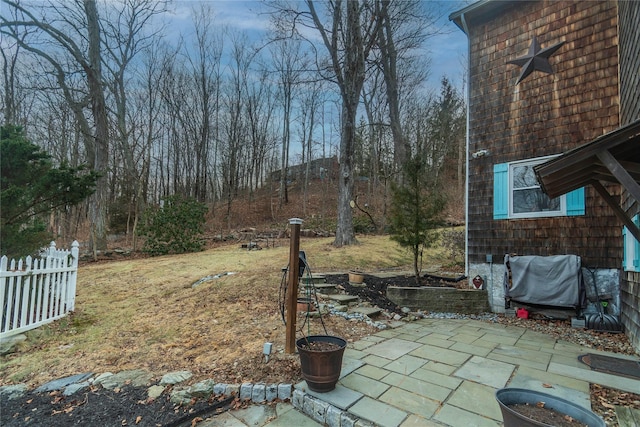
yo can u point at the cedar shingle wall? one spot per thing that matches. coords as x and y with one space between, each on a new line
629 16
545 114
629 61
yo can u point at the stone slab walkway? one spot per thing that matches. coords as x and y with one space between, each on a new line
430 372
445 372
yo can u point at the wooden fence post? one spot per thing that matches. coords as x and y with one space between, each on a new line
292 288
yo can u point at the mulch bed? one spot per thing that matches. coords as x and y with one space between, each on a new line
97 406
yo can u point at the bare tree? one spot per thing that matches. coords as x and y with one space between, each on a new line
405 25
348 38
126 34
87 56
288 61
10 54
205 70
310 102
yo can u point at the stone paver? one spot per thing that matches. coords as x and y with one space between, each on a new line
405 364
409 402
454 416
582 398
614 381
340 397
364 385
372 359
392 348
470 349
372 372
419 387
254 415
554 379
378 412
531 358
434 377
441 368
441 355
436 341
293 418
417 421
476 398
223 420
350 365
485 371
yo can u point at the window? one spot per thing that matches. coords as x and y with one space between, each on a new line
631 248
517 193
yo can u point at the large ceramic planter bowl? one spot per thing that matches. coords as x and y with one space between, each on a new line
514 396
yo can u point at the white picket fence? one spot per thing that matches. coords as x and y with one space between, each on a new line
37 291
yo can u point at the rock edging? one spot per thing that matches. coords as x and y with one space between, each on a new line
325 413
257 393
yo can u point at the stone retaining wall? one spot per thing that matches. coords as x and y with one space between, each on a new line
440 299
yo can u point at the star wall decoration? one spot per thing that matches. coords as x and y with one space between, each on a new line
535 59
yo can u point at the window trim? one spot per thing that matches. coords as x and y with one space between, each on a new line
571 204
538 214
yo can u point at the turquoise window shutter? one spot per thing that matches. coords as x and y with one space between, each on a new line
624 247
575 202
636 245
501 191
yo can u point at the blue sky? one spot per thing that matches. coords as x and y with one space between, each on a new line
447 50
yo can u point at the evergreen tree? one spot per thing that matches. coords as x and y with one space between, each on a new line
416 210
30 189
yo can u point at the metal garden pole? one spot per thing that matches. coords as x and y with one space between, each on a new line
292 288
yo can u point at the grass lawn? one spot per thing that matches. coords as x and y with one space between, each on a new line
144 314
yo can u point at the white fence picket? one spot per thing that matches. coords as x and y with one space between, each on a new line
34 292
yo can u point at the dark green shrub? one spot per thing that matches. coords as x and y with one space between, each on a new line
362 224
174 228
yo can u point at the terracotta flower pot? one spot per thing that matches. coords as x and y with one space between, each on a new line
321 367
356 277
305 305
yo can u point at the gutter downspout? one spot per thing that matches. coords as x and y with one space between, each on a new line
466 187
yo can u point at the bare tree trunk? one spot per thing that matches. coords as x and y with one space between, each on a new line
98 211
388 58
350 74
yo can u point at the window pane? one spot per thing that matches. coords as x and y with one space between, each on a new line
524 177
533 200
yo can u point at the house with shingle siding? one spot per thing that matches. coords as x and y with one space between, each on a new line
553 142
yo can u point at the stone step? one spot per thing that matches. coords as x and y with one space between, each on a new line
316 278
343 299
321 288
367 311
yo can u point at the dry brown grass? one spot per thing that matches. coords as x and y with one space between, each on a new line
145 314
